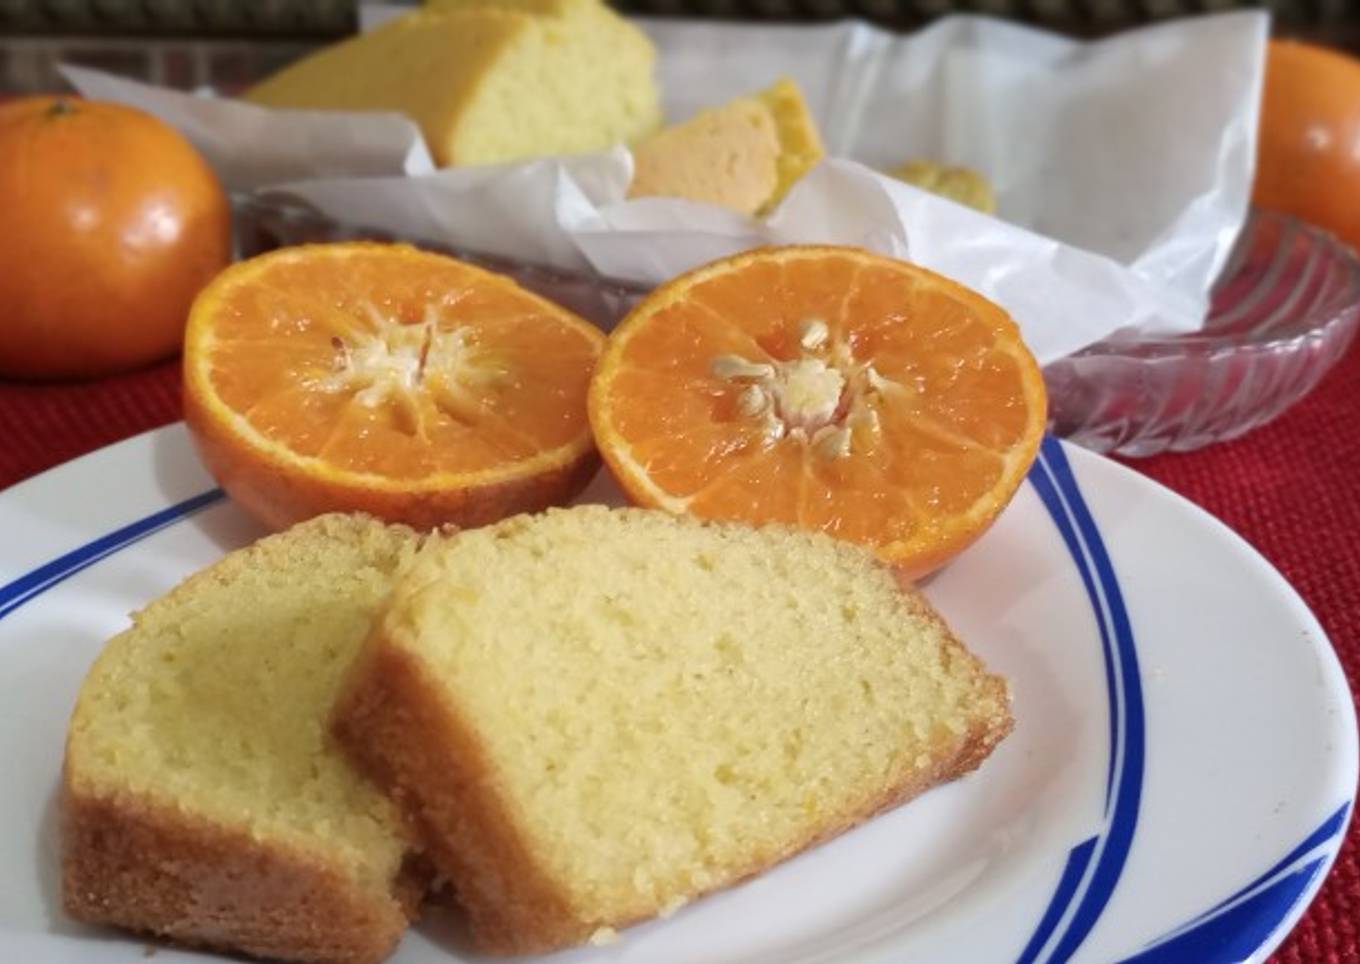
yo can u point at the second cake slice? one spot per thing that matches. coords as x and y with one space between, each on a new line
593 716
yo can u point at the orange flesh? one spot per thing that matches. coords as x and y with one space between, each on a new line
495 375
958 422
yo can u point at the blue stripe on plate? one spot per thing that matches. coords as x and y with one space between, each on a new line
26 587
1234 928
1074 910
1045 484
1072 874
1326 830
1237 933
1240 924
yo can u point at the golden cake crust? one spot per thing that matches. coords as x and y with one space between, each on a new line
133 862
400 732
398 728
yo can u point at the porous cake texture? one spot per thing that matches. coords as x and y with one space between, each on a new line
592 716
203 800
726 155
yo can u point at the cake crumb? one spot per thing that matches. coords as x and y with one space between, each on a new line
671 906
604 936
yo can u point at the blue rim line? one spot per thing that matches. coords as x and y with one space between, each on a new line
1237 933
1097 863
14 594
1239 925
1236 927
1326 831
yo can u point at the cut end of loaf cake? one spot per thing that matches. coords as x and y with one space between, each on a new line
727 155
203 799
744 154
595 715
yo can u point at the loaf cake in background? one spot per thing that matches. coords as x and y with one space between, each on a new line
490 81
202 799
744 154
593 716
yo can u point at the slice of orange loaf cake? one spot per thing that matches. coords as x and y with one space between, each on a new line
203 800
593 715
490 81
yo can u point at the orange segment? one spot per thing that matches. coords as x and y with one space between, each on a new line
827 387
387 379
766 484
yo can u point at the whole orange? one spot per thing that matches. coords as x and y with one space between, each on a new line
111 223
1308 152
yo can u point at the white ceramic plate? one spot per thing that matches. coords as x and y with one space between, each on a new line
1177 785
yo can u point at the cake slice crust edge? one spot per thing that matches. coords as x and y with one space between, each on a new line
399 731
134 862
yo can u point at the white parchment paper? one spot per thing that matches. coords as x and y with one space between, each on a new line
1122 167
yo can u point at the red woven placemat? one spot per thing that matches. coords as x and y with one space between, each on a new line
45 425
1290 488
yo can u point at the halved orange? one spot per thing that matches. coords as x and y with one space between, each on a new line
383 378
825 387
